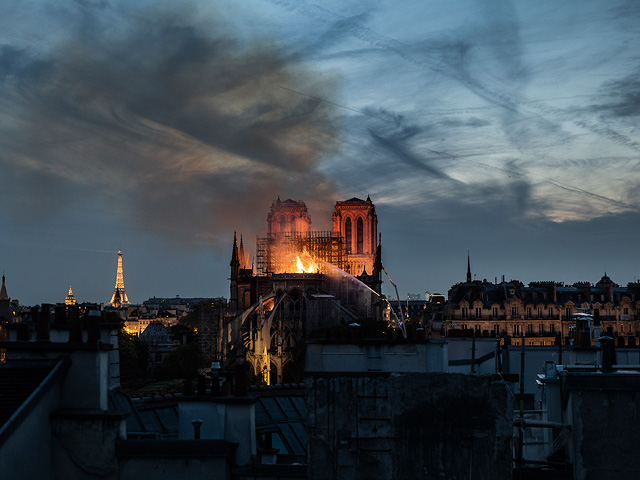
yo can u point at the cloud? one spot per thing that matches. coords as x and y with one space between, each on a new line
623 95
176 126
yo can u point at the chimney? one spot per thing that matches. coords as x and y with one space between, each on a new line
607 347
197 423
93 326
43 329
60 315
75 333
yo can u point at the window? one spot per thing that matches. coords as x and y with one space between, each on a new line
514 311
528 312
347 234
496 329
621 327
495 312
567 312
539 312
478 328
478 312
530 328
541 328
625 311
552 328
464 312
359 236
516 329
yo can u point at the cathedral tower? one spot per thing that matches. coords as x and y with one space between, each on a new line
119 297
356 222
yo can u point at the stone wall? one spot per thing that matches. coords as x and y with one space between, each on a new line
413 425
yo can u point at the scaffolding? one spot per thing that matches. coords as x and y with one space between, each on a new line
321 245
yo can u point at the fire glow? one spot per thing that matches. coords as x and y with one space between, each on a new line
309 269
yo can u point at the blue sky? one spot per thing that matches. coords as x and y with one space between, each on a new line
507 129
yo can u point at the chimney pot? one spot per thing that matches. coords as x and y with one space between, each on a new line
197 423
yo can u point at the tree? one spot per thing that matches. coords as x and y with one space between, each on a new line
183 363
181 332
134 356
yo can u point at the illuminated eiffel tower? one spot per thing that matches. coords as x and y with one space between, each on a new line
119 297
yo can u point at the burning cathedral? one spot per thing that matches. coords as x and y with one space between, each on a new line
301 280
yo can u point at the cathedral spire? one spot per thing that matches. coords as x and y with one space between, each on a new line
468 268
235 259
243 263
119 297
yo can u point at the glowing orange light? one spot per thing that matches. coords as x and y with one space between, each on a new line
301 268
313 267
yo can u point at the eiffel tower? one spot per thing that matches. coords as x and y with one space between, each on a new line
119 297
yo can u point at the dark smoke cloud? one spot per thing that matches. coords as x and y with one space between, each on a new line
179 127
623 95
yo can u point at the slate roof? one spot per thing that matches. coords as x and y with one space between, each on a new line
280 409
150 416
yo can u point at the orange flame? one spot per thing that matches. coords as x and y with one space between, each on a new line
301 268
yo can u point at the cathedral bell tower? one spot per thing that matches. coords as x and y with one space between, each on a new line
356 222
288 218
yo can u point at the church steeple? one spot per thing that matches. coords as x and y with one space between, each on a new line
468 268
235 270
243 262
5 304
3 291
235 258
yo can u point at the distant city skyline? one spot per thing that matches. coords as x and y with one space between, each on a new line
507 130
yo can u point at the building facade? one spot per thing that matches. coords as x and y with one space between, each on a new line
545 313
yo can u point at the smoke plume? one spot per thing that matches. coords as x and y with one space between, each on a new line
179 124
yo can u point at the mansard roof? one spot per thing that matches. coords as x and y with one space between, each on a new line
543 292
